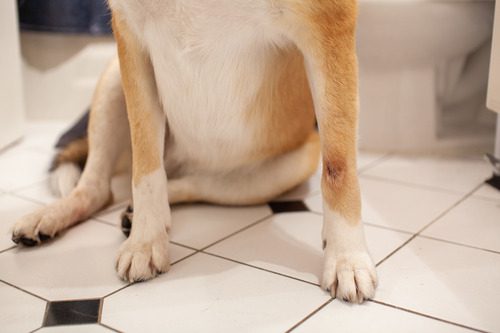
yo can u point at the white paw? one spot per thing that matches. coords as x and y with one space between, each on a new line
350 277
140 260
41 225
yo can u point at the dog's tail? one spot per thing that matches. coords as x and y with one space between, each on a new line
69 161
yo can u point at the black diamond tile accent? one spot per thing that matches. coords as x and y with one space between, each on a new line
494 181
72 312
288 206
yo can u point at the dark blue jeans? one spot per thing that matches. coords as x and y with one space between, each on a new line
68 16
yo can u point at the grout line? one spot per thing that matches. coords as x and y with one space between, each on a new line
118 290
260 268
310 315
23 290
460 244
446 211
132 283
8 249
238 231
375 162
387 228
109 327
411 185
427 316
36 329
375 225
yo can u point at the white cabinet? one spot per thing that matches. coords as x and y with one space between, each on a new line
11 89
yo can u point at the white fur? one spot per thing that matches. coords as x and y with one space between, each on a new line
64 178
145 253
348 272
199 65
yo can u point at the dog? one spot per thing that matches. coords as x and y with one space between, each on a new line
217 100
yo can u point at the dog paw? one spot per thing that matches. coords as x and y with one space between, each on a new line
350 277
143 260
37 227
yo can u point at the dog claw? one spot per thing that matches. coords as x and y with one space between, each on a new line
28 241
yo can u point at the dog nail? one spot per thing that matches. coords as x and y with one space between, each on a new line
43 237
28 241
130 209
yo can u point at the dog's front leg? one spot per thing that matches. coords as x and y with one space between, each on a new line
145 253
326 36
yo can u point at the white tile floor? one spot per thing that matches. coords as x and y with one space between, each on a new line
432 228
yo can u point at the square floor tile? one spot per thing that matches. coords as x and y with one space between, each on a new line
19 311
443 280
85 311
199 225
397 206
208 294
11 209
291 244
374 318
79 264
487 192
367 160
43 135
455 174
310 187
21 167
475 222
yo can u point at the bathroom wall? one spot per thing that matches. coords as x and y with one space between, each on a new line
60 72
11 97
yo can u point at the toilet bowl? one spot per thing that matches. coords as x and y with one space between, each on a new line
423 66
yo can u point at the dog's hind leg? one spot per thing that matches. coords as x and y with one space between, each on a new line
108 131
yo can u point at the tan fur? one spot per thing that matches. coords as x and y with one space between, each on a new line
75 152
284 105
325 29
141 98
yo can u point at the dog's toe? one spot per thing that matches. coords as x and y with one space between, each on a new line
141 261
351 277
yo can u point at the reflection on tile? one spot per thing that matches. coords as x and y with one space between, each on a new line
367 160
340 317
474 222
21 168
19 311
72 312
78 264
447 281
11 209
397 206
201 225
460 175
207 294
291 244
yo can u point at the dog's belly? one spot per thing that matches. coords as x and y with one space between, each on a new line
211 59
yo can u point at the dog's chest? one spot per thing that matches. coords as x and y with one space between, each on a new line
209 59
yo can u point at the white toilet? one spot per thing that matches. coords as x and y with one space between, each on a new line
423 74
